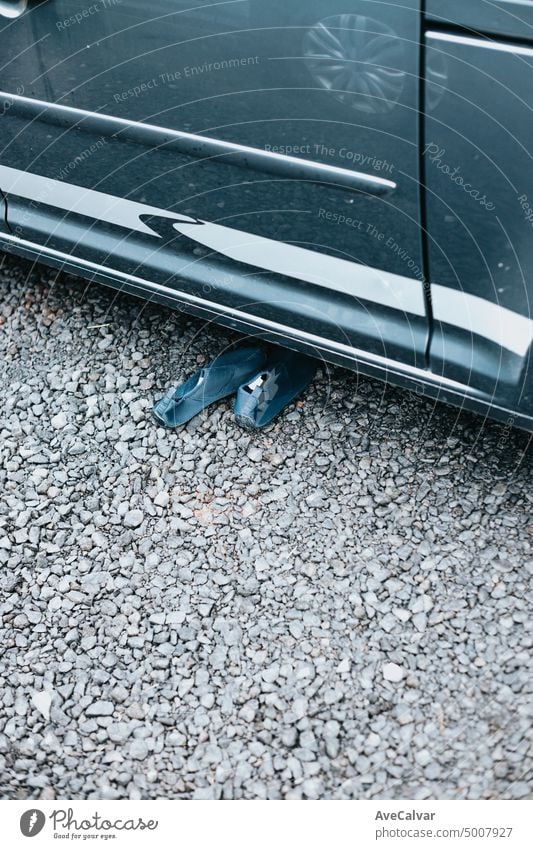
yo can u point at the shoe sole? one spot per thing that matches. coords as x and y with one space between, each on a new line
246 423
182 424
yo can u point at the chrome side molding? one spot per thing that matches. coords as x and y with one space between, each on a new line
200 147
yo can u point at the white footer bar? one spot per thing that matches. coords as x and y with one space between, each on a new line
254 825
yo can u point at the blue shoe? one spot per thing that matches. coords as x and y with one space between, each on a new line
259 400
219 379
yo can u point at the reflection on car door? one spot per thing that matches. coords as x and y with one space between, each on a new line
280 140
479 178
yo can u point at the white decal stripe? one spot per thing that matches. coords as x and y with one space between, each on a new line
459 309
484 318
66 196
363 282
341 275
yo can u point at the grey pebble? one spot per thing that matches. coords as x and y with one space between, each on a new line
133 518
101 708
138 750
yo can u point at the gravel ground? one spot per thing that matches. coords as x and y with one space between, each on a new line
335 607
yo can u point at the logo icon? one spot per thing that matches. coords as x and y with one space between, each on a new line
32 822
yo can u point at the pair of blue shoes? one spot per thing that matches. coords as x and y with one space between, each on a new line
264 385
